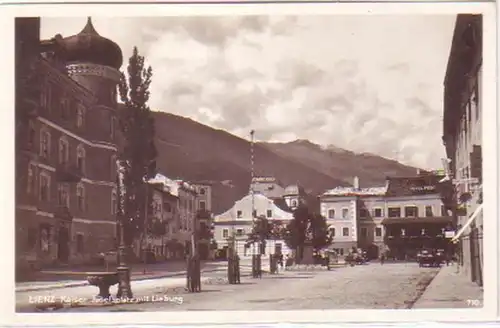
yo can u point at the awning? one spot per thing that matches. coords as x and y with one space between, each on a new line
467 224
431 219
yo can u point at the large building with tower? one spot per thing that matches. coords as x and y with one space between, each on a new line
66 144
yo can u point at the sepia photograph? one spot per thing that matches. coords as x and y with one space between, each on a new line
260 162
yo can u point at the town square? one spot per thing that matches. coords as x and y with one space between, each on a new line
239 175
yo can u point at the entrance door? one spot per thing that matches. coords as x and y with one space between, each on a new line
63 245
278 248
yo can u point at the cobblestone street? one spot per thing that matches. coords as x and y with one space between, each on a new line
372 286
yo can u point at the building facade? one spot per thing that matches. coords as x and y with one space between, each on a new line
238 222
66 195
204 220
397 219
462 138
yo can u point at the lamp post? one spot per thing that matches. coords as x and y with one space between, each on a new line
124 288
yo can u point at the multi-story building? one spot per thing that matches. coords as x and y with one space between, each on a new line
66 195
204 219
238 222
462 139
294 196
399 218
163 220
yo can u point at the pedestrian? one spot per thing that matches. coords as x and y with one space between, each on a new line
382 258
281 260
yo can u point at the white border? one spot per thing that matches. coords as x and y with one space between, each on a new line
490 166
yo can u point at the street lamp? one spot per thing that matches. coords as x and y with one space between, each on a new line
124 288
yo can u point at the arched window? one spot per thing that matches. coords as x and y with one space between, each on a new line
80 197
80 158
80 116
63 150
114 202
63 194
45 143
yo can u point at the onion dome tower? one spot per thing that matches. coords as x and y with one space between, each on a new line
94 62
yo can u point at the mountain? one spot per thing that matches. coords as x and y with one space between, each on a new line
195 152
340 163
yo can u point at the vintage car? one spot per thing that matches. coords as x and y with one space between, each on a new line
429 257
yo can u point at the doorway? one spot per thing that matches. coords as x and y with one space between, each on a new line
63 245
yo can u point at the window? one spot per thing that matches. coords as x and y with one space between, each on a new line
225 233
345 232
45 143
80 159
63 151
80 116
45 238
113 127
202 191
345 213
332 232
202 205
64 107
269 213
80 196
63 194
363 213
79 243
44 187
428 211
364 232
114 202
31 238
378 232
239 214
394 212
294 203
31 135
331 214
254 213
444 212
45 96
411 211
377 212
239 232
113 168
167 207
30 188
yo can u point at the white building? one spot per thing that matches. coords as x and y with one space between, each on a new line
237 222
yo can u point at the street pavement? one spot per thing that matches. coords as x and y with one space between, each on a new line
451 289
371 286
53 279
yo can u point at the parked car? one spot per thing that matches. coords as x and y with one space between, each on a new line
428 257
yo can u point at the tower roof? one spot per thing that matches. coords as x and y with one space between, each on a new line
89 47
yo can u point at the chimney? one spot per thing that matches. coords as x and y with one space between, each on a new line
418 172
356 183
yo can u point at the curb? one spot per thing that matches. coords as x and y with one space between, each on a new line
85 283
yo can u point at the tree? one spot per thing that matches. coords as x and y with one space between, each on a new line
321 235
137 156
296 230
262 230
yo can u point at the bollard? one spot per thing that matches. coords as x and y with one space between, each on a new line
273 264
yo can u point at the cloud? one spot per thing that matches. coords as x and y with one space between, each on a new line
363 83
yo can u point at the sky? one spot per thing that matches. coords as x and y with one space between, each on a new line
368 84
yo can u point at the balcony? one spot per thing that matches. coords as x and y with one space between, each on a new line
62 212
68 173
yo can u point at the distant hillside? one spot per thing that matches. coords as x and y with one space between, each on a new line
342 164
193 151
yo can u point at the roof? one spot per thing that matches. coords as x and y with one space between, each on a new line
282 205
171 186
351 191
413 186
432 219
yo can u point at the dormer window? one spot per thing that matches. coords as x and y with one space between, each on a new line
239 214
